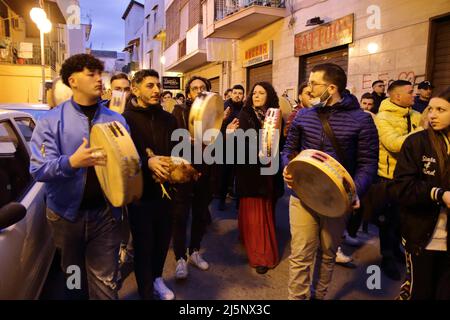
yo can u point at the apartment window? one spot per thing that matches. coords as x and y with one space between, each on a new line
150 59
4 18
148 28
155 10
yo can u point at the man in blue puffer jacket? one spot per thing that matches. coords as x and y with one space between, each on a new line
356 134
86 229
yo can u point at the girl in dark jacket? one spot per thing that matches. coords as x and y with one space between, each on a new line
422 184
258 193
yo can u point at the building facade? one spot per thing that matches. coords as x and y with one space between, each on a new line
281 41
20 50
134 35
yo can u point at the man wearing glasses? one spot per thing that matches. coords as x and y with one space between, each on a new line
312 233
378 94
198 194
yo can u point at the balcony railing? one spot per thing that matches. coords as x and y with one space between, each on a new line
225 8
12 56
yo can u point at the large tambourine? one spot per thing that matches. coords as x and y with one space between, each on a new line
206 113
285 107
271 132
322 183
121 178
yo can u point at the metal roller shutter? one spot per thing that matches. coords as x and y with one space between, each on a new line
215 85
258 74
339 57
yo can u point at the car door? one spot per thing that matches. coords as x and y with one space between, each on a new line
26 248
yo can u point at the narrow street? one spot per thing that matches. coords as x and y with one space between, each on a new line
231 278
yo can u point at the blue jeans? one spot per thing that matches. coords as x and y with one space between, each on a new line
92 243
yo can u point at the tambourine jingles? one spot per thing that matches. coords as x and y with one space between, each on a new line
322 183
121 178
271 132
206 109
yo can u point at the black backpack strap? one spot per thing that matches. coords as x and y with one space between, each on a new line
323 116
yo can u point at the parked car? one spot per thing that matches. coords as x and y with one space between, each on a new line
35 109
26 245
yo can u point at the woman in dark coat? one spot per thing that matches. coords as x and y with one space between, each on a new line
258 193
422 185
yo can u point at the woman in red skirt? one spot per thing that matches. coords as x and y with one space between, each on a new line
257 192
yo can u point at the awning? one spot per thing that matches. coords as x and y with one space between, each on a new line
131 44
128 48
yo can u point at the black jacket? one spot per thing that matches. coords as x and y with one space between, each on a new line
415 176
152 128
419 104
377 101
181 114
249 181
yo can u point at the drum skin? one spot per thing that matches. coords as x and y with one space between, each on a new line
208 109
121 178
322 183
285 107
270 140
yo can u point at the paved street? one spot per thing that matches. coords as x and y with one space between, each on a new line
230 277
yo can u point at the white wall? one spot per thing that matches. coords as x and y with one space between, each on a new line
134 23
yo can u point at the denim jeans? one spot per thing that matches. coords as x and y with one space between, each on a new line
92 243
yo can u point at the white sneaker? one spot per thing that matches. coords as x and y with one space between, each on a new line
160 290
341 257
181 271
196 259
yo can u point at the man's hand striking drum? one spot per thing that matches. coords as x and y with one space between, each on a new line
288 178
87 157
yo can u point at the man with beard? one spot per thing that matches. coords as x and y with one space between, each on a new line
150 220
182 199
234 106
424 96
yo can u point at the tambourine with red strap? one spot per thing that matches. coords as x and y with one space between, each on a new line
322 183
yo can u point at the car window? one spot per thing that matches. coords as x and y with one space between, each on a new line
15 178
26 127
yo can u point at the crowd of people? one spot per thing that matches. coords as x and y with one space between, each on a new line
395 146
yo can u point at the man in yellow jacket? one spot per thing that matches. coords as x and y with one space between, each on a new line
395 121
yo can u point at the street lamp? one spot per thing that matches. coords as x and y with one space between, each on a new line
44 25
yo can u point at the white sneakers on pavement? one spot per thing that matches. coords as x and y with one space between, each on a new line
161 291
181 270
197 260
341 257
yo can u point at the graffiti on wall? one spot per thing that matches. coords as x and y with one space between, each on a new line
389 77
